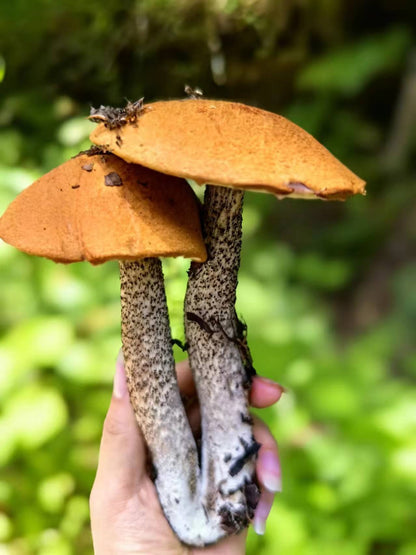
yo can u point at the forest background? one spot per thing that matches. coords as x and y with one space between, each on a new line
327 289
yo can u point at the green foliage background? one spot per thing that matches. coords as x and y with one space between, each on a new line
327 289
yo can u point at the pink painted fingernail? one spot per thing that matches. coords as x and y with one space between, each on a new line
120 383
120 357
259 526
275 385
262 512
270 471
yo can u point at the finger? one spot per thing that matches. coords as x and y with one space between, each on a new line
122 459
189 396
268 471
268 466
232 545
185 380
264 392
193 414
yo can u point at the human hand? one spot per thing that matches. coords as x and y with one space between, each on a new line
126 516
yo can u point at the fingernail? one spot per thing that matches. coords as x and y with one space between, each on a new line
270 471
262 512
120 383
120 357
275 385
259 526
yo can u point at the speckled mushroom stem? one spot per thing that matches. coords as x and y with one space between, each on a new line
217 360
156 401
153 388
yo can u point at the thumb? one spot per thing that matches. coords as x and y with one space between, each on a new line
122 459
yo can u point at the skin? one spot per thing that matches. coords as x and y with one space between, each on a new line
126 516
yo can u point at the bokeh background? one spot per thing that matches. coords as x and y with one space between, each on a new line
328 290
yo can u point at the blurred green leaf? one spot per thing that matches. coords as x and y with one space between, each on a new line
11 147
349 69
333 398
35 414
90 362
74 131
77 513
404 464
8 441
40 341
65 290
54 490
53 542
399 419
6 527
2 68
14 180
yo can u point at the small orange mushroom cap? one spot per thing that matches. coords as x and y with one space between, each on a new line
230 144
96 207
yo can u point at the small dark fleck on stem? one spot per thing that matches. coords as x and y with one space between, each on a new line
233 521
87 167
246 419
205 511
252 494
75 186
113 180
249 451
200 321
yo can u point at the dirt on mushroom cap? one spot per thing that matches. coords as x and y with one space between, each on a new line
230 144
71 214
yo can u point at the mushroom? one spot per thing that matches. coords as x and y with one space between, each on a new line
96 207
230 147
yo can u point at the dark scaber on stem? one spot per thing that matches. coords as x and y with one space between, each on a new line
221 366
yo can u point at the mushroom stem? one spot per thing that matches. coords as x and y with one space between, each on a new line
156 401
221 366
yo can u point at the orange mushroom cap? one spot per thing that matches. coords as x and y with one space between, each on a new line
96 207
230 144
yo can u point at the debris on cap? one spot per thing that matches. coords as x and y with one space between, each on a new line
231 144
114 118
96 207
112 179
